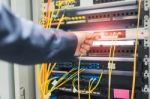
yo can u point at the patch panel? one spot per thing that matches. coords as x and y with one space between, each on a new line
125 81
65 65
92 16
101 94
90 65
120 51
100 64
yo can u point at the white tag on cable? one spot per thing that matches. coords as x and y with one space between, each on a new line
54 82
74 90
111 66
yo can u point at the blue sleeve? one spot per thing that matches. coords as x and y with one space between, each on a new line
24 42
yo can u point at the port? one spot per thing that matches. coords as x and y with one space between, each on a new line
104 1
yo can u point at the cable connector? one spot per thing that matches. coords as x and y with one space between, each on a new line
75 90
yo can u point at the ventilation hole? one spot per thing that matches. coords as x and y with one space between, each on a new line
131 13
108 15
131 51
104 16
122 14
114 15
127 51
107 51
97 51
136 13
93 17
118 14
140 42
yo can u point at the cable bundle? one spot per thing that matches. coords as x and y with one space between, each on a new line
44 71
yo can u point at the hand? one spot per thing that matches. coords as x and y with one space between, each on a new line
85 41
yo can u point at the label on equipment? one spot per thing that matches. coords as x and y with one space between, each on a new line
121 93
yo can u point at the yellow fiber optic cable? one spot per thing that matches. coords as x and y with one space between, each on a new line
60 79
51 19
110 53
89 88
73 83
59 7
66 80
43 16
37 69
135 51
110 63
79 63
60 21
63 16
99 80
59 85
49 72
65 75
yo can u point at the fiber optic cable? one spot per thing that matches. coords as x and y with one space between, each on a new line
60 79
110 63
59 85
62 17
43 16
59 7
52 14
79 63
50 71
89 87
135 51
99 80
60 21
73 83
72 76
66 80
63 77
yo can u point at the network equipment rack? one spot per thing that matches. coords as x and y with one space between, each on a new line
107 17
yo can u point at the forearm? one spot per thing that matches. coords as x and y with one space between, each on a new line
26 43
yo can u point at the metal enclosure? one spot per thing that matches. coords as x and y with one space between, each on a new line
23 75
17 81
